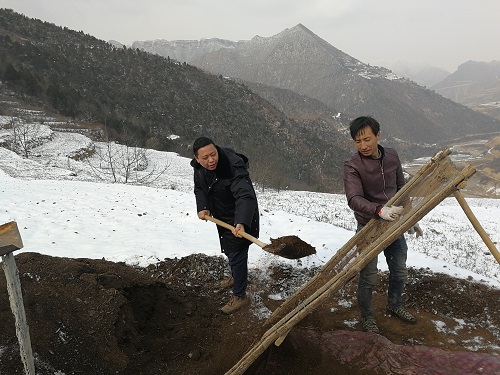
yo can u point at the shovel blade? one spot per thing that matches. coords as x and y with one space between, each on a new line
290 247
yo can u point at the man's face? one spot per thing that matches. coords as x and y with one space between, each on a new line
366 142
208 157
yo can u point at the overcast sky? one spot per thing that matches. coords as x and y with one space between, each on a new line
442 33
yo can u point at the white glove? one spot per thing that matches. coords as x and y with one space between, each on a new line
416 230
390 213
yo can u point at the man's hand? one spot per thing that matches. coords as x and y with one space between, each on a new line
416 230
390 213
237 229
202 214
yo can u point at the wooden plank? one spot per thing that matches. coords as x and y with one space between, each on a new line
10 238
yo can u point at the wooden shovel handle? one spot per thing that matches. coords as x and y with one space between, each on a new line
477 226
249 237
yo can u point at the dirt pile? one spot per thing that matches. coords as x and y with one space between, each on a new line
99 317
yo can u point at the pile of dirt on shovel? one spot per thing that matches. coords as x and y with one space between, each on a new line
98 317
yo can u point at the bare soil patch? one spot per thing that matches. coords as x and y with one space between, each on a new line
90 316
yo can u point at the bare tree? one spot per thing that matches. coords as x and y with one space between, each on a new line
126 164
25 135
133 161
107 162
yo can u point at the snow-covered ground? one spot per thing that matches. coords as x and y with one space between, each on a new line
63 209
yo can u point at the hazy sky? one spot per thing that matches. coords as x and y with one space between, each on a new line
443 33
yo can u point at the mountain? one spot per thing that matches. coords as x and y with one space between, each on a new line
476 85
298 60
144 99
183 50
116 44
423 74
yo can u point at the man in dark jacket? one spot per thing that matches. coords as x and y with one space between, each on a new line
223 189
371 178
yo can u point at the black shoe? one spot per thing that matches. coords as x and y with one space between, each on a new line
402 314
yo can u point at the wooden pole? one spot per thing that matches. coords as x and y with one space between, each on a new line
477 226
17 307
10 240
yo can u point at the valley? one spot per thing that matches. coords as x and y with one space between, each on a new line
483 153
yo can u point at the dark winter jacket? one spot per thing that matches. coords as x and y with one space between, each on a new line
370 183
229 195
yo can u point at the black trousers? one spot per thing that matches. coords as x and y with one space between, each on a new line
238 262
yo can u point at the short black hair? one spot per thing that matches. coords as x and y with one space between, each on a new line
201 142
361 122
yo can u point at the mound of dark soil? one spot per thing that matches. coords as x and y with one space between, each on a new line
98 317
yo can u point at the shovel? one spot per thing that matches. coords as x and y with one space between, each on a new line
290 247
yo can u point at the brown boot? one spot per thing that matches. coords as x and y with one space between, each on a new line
227 283
235 303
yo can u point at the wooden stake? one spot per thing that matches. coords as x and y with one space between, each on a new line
17 307
477 226
10 240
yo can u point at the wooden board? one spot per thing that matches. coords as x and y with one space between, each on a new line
10 238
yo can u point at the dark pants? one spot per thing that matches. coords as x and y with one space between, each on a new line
395 255
236 250
238 262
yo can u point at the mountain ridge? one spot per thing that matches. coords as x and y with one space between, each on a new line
297 59
475 84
